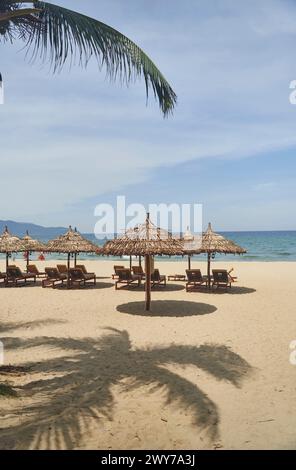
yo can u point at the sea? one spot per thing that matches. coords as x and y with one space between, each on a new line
260 246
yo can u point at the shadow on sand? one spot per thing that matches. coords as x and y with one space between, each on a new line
75 388
235 290
167 308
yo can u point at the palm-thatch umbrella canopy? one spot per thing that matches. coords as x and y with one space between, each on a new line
211 243
32 245
10 244
72 243
145 240
191 244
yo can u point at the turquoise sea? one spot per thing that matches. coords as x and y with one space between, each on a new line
260 246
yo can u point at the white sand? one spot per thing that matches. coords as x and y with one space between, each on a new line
201 371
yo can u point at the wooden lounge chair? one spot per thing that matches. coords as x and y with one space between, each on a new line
177 277
32 269
157 279
221 278
128 279
77 276
231 277
3 277
117 268
83 269
15 276
138 271
62 268
195 280
53 278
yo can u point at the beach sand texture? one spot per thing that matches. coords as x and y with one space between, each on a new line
200 371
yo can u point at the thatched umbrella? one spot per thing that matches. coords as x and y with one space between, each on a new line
145 240
10 244
72 243
32 245
191 245
212 243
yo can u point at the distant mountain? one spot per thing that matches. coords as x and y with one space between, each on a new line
35 231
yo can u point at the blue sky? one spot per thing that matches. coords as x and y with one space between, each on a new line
73 140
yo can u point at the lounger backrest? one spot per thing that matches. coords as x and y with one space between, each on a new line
82 267
13 271
138 270
52 273
155 276
220 275
194 275
118 268
62 268
76 274
32 268
124 275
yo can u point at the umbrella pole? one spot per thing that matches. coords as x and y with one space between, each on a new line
148 281
75 259
7 256
28 259
189 262
68 275
130 263
140 260
209 270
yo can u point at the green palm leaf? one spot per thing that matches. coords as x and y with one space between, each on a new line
60 34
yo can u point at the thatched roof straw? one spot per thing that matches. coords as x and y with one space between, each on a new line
144 239
33 245
211 242
10 243
72 242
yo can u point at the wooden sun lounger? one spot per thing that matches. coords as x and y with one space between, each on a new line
128 279
157 279
32 269
83 269
117 268
3 277
176 277
77 276
138 271
62 268
221 279
15 276
53 278
195 280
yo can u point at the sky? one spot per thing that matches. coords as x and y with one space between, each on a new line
73 140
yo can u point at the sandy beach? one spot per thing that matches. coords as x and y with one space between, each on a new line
200 371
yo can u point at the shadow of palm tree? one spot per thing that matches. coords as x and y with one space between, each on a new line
167 308
76 386
10 326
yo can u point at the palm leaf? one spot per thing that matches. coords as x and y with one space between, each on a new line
62 34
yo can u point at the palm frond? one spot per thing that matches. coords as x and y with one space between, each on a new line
62 34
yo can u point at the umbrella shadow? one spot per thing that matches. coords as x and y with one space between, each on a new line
167 308
90 286
235 290
168 288
76 388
